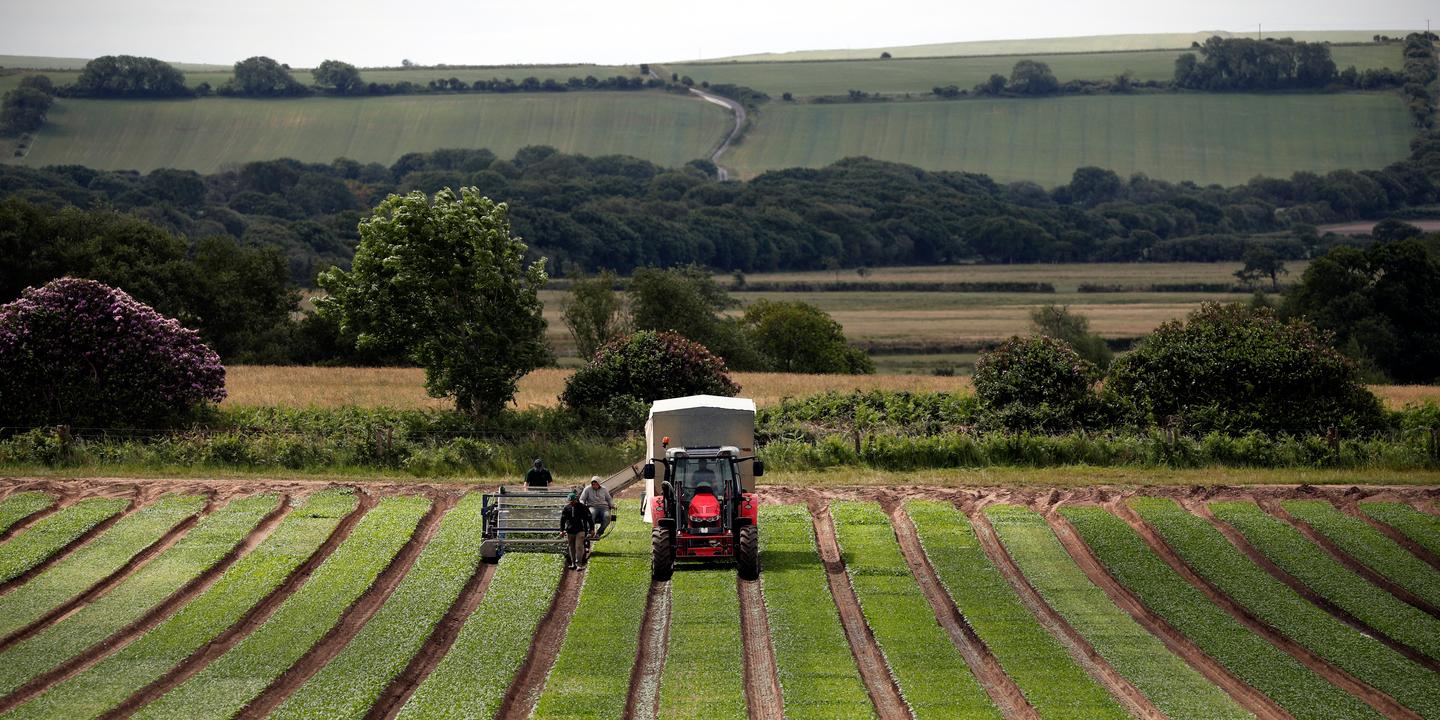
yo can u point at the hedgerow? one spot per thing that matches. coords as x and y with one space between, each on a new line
916 648
813 661
21 505
109 682
1422 528
1370 547
704 662
472 678
1296 555
232 680
1252 658
355 679
53 533
1212 556
1050 679
201 548
1177 689
591 675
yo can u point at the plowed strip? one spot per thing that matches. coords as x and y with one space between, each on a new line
354 619
643 701
868 658
1382 703
1095 665
520 699
762 687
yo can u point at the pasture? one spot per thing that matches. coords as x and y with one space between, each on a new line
204 135
1225 139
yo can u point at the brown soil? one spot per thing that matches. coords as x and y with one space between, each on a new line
874 670
643 700
350 622
1382 703
1350 505
1259 558
525 689
435 647
1344 558
1251 699
252 619
65 552
1094 664
762 686
1001 688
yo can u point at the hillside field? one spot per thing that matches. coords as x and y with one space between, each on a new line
1204 138
206 134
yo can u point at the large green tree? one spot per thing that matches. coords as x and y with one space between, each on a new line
447 283
688 301
342 77
798 337
594 312
263 76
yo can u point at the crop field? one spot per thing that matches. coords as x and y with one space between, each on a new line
198 599
205 134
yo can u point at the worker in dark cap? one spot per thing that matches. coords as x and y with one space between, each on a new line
576 523
538 477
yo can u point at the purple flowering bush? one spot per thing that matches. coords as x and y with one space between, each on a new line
81 353
647 366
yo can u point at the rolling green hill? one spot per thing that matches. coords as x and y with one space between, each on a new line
1202 137
206 134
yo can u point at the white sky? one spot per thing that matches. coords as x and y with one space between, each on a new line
382 32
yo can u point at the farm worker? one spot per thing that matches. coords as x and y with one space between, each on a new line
575 522
538 476
601 505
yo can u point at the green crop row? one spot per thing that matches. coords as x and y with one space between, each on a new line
21 505
472 678
52 534
1303 693
1370 547
704 662
1296 555
1177 689
591 676
1422 528
94 561
200 549
917 649
1050 679
232 680
109 682
1207 551
817 673
354 680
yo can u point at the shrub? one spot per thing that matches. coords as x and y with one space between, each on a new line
797 337
1236 369
82 353
647 366
1037 384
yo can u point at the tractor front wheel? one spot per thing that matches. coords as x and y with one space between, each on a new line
662 554
747 553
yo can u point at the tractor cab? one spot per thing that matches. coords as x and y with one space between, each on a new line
701 510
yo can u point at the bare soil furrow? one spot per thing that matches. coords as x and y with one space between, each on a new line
525 691
762 685
643 700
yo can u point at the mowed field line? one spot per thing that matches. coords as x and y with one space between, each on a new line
205 134
1203 137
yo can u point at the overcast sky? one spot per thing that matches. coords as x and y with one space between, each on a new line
382 32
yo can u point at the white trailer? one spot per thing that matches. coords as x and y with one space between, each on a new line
700 421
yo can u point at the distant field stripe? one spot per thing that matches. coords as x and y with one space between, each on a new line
1051 680
53 533
1370 547
353 681
471 681
108 683
1207 551
1296 555
22 505
1249 656
1174 686
817 673
97 560
206 544
1422 528
917 649
591 676
704 661
230 681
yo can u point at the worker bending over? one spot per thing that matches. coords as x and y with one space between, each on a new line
538 477
602 507
575 522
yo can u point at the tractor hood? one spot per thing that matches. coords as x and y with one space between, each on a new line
704 507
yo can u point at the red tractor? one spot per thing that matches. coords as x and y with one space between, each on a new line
701 510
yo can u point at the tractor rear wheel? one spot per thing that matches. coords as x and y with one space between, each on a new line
662 554
747 553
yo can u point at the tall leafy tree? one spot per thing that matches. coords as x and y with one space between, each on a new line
594 313
1059 322
798 337
129 76
342 77
263 76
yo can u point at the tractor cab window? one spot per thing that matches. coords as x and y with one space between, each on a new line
697 475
